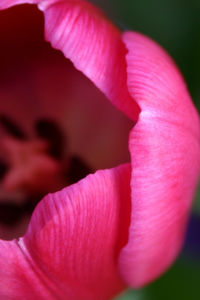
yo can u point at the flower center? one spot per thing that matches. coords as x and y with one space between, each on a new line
33 167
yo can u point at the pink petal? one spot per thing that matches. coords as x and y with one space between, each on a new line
165 152
93 44
71 246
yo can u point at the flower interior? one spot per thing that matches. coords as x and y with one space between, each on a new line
55 125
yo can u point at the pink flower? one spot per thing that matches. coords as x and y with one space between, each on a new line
122 226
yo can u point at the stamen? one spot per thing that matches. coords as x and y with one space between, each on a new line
48 129
12 128
77 169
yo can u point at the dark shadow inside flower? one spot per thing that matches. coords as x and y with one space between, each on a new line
55 125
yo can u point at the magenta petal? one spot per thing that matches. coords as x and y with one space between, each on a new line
71 246
19 276
165 152
93 44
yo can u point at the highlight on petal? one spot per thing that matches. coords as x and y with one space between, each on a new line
71 245
93 44
8 3
164 147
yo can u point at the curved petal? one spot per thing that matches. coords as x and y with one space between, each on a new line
93 44
71 245
165 152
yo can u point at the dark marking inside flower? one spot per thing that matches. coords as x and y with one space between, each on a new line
10 213
77 169
31 202
12 128
3 169
48 130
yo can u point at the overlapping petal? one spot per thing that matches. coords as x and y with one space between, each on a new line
70 248
164 147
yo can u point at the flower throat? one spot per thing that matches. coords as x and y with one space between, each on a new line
33 167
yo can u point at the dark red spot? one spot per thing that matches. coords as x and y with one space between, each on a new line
77 169
3 169
12 128
10 213
50 131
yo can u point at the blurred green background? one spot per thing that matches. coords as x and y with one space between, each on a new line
175 24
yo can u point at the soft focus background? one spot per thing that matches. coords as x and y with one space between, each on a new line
175 24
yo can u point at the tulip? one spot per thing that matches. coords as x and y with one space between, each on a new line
125 225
